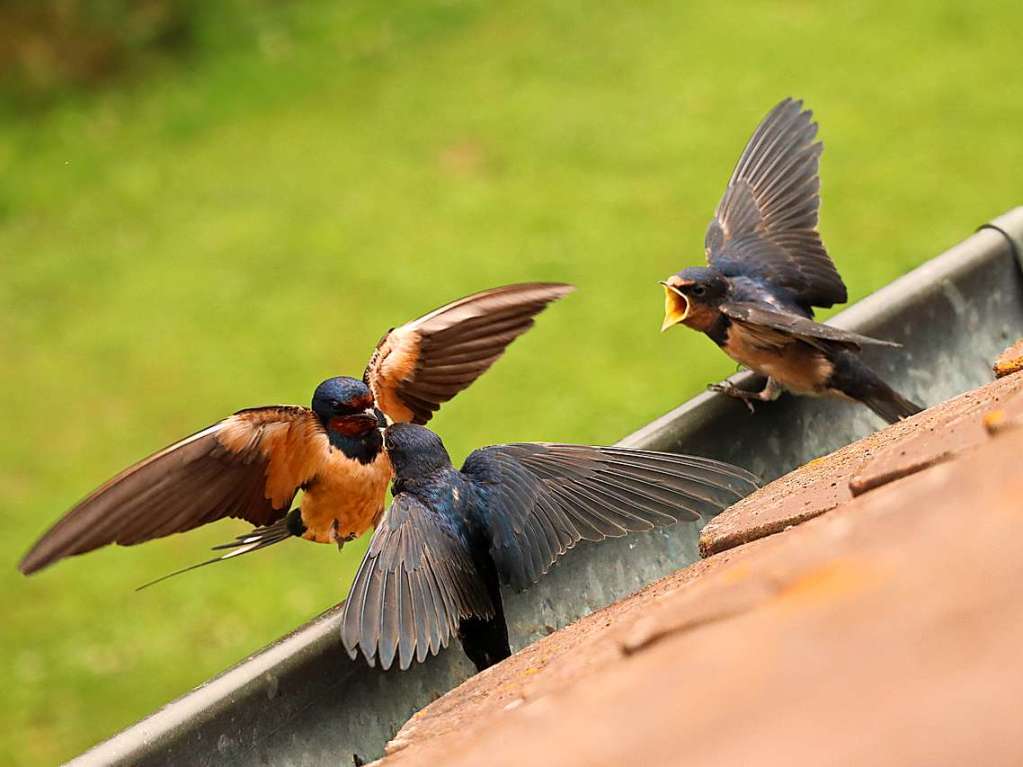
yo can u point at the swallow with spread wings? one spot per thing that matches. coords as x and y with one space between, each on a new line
252 464
767 269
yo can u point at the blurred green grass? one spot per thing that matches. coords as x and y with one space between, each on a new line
232 230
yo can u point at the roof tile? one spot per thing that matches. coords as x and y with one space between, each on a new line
885 632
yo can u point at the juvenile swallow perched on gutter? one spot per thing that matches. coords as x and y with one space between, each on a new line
452 537
767 269
253 463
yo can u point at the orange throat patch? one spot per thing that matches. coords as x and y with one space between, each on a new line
700 317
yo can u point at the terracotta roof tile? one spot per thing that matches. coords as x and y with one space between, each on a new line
823 484
885 632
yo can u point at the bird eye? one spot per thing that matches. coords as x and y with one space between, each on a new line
335 404
699 290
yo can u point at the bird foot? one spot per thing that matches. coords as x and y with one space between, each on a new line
335 534
731 390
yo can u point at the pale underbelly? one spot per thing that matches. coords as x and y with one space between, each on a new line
800 368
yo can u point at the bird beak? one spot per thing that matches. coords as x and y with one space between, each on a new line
676 306
381 418
357 424
371 417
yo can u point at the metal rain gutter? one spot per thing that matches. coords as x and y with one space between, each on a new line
302 701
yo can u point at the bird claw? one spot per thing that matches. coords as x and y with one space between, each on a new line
335 527
731 390
342 541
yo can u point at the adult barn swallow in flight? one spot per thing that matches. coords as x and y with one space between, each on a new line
452 537
767 269
252 464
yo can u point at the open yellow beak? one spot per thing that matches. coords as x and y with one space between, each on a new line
676 306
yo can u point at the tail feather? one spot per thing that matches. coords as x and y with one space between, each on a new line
890 405
485 639
855 380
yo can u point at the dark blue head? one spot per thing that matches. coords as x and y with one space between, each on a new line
415 451
692 297
701 275
346 409
341 396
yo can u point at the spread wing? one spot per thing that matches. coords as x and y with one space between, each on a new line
775 329
543 498
766 224
248 466
416 582
421 365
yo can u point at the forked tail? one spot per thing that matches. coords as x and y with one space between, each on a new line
856 380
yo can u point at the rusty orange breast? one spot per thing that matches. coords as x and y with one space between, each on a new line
346 499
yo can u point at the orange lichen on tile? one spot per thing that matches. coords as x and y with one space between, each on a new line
1010 361
836 579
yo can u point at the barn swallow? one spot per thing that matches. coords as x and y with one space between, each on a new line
252 464
767 269
451 537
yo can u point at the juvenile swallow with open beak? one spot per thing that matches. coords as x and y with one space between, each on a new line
767 269
452 538
253 463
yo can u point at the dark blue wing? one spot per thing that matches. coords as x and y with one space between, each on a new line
766 223
771 328
416 582
540 499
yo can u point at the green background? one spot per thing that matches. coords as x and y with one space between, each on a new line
240 223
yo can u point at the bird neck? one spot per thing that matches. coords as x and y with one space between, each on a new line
363 448
439 488
717 330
